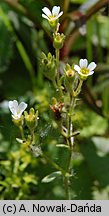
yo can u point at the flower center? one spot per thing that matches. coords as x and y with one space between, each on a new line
52 17
84 70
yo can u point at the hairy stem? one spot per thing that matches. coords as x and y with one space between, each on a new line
78 89
22 132
66 183
70 142
57 74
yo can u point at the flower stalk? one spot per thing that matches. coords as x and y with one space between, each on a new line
68 85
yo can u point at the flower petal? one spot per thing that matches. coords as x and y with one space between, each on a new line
92 66
56 17
60 14
44 16
90 73
13 106
77 68
22 106
83 63
55 10
47 11
83 75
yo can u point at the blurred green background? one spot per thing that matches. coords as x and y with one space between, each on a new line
24 34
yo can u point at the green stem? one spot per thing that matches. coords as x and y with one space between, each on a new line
69 143
78 89
33 137
66 5
57 74
22 132
69 138
66 183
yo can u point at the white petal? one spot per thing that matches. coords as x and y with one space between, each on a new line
60 14
13 106
83 63
77 68
91 72
92 66
84 75
56 17
55 10
47 11
22 106
44 16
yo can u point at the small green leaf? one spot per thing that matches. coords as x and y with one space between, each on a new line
51 177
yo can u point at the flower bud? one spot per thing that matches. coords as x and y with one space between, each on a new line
69 76
31 119
58 40
69 72
48 65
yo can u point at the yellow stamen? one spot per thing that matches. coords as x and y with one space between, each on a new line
52 16
84 70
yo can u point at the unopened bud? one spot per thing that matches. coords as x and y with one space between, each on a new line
69 71
31 119
58 40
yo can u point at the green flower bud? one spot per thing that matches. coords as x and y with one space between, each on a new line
48 65
58 40
69 76
69 72
31 119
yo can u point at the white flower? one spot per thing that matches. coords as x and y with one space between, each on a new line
52 16
84 69
16 109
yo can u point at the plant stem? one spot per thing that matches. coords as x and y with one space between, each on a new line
78 89
22 132
65 5
70 138
57 73
33 137
70 141
66 183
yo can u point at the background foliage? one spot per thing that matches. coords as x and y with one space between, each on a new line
23 36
